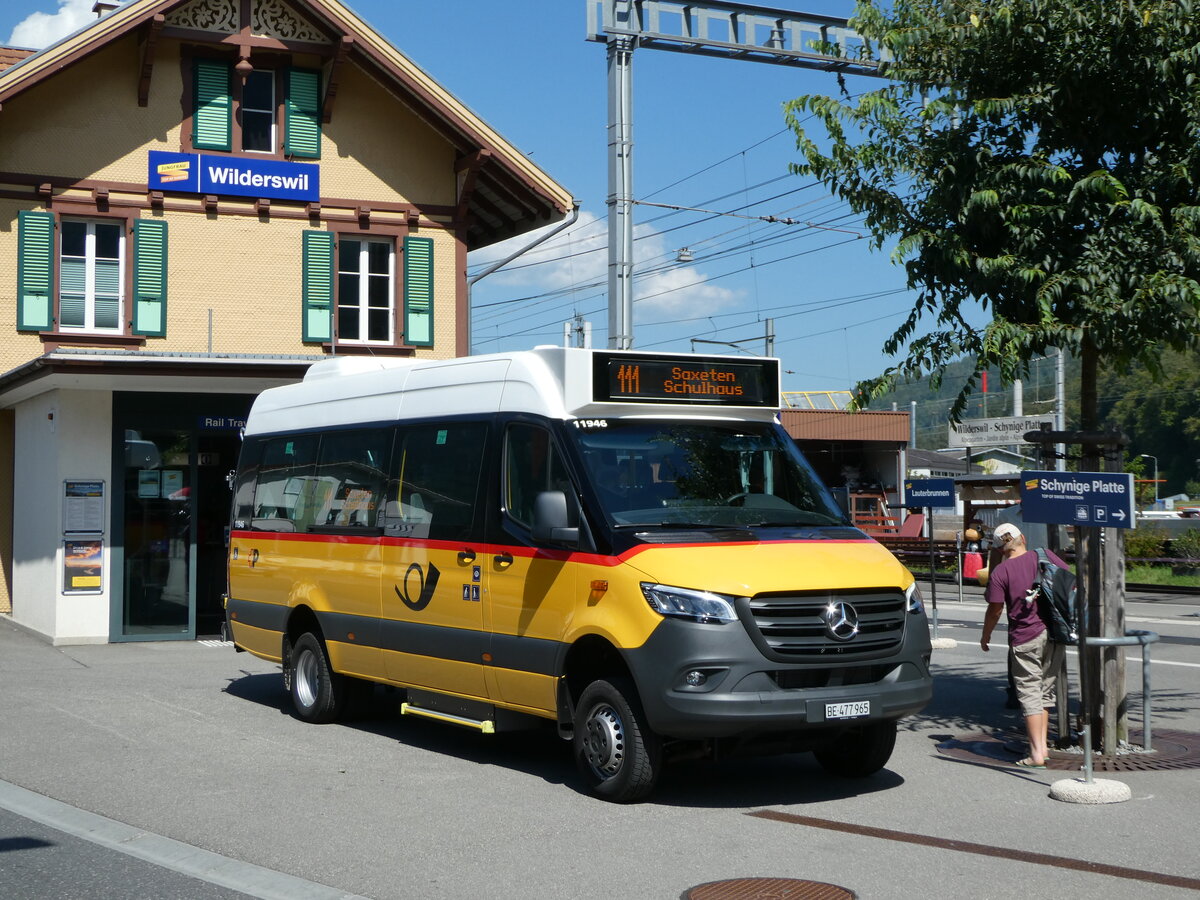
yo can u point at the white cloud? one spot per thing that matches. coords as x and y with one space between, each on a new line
578 256
38 30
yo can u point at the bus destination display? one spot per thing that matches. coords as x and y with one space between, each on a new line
685 380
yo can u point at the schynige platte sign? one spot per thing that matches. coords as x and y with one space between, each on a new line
1090 499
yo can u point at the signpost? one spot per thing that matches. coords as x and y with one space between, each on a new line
995 432
930 493
1091 501
1088 499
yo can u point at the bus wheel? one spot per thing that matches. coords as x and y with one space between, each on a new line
860 751
617 753
317 692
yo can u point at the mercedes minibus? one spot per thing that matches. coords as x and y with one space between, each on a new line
627 545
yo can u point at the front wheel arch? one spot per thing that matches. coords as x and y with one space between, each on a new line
617 753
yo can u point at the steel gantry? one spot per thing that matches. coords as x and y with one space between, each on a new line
712 28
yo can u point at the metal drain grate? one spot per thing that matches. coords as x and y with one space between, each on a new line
768 889
1172 750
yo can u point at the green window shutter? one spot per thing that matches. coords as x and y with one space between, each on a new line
418 291
212 112
150 277
317 286
302 127
35 271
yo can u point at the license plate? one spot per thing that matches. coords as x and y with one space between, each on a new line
848 710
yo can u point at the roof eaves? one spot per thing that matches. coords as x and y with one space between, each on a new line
129 15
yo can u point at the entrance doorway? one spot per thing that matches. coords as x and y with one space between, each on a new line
171 512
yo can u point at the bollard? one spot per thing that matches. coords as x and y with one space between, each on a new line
1145 639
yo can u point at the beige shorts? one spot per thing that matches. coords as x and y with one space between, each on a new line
1035 666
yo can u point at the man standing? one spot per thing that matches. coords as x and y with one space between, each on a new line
1035 658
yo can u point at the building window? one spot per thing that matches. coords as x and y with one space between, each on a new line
258 112
276 111
366 287
91 275
362 273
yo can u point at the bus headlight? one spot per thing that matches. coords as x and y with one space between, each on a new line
913 596
683 603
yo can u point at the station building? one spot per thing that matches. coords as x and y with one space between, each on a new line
199 199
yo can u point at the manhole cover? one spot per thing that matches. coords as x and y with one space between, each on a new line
768 889
1172 750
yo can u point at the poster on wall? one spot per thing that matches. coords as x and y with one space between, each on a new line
83 506
149 484
83 566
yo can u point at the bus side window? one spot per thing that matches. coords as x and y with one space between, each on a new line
247 477
435 481
284 494
350 472
532 465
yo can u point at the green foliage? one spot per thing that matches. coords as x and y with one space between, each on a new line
1186 545
1159 575
1161 414
1145 542
1052 176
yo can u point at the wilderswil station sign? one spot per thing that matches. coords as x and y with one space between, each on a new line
996 432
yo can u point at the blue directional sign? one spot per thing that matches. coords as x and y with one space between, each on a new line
933 492
1090 499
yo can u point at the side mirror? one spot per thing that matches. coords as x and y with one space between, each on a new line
551 522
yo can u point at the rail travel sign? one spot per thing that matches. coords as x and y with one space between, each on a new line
1090 499
995 432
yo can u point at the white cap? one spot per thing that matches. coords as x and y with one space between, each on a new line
1006 532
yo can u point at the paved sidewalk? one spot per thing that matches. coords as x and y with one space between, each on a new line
194 746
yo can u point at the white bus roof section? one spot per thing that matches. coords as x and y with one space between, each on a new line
553 382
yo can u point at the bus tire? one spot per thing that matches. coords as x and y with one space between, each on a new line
860 751
317 692
615 750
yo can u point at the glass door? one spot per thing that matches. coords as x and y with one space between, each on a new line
158 533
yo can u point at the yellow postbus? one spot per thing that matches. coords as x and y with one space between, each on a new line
625 544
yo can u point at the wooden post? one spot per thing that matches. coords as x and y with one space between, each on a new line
1112 623
1089 579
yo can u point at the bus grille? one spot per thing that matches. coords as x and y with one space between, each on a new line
790 626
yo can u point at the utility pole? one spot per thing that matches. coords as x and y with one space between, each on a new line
705 28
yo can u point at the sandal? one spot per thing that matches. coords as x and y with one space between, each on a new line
1028 763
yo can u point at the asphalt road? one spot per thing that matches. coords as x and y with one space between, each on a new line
209 787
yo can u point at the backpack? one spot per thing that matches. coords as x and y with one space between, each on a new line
1055 590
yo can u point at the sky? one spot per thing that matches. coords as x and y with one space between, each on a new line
709 134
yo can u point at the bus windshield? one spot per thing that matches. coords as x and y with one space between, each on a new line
671 473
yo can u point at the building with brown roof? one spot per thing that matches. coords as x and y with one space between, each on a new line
199 198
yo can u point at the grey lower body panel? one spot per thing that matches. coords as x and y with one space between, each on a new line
747 694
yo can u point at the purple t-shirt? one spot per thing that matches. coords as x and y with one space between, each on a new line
1010 585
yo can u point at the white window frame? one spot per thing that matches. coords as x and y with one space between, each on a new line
362 302
89 290
273 111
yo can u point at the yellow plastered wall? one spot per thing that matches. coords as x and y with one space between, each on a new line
84 123
248 272
391 157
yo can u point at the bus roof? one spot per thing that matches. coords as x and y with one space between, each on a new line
555 382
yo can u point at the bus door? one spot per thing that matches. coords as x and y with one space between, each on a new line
432 629
530 590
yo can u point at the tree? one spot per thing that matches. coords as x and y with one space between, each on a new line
1161 411
1038 157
